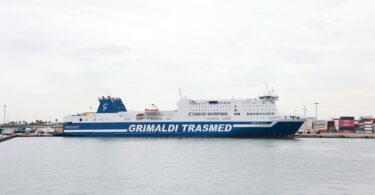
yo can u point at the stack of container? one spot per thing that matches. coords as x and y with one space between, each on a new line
368 127
320 126
331 127
346 124
358 127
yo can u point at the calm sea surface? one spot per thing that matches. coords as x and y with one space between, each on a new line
186 166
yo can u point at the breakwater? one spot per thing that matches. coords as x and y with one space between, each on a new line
4 138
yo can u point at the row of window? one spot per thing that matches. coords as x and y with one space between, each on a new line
219 105
210 110
261 113
218 114
259 105
260 109
208 107
235 110
226 114
215 105
208 114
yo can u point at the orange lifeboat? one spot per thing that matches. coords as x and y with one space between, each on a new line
153 109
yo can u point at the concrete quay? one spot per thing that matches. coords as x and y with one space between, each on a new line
338 135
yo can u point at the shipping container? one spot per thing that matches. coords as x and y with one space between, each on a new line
366 117
337 123
331 125
322 131
346 128
320 125
360 132
347 118
332 131
20 130
346 131
346 123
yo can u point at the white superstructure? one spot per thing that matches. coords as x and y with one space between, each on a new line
253 109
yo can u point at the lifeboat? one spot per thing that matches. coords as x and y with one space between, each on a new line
153 109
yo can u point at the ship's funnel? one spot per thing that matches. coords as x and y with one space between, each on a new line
111 105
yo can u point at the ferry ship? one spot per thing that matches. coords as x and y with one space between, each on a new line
236 118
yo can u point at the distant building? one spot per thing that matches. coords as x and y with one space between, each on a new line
7 131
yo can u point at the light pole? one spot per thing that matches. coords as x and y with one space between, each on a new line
316 110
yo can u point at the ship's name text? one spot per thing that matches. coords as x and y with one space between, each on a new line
165 128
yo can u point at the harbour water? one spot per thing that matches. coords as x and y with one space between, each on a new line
73 165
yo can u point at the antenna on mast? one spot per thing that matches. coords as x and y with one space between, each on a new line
267 90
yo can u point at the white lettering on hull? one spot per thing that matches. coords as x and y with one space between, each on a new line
170 128
153 128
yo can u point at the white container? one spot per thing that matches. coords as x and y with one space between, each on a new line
337 124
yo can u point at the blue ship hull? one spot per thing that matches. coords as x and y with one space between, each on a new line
276 129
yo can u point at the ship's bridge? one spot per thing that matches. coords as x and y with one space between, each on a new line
271 98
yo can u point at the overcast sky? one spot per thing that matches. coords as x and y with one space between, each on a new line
58 56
